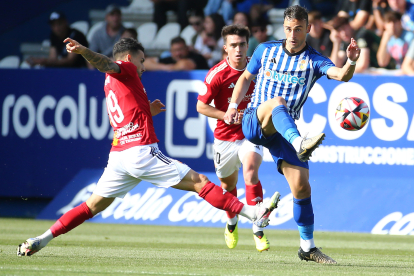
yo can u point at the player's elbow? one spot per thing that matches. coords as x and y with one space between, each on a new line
200 107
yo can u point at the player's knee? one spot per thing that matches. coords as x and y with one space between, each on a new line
303 191
200 180
251 177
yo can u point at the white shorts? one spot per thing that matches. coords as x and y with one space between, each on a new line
128 168
228 156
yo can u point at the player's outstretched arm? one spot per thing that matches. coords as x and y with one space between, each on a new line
209 111
239 92
347 71
100 62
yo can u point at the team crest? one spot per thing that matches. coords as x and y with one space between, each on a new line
302 65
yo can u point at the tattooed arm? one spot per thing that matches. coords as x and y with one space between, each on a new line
100 62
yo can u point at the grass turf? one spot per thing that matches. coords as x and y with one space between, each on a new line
115 249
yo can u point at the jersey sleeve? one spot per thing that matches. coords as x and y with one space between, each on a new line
323 64
127 69
256 60
212 86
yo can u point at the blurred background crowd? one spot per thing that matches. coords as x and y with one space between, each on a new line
185 34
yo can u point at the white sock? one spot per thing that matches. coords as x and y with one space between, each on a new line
296 143
232 221
307 245
45 238
256 228
248 212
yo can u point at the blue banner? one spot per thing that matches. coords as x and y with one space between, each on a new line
54 124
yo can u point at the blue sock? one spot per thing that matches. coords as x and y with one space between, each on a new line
303 215
284 124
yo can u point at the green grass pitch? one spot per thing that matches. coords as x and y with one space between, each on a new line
114 249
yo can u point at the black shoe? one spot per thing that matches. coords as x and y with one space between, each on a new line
308 145
315 255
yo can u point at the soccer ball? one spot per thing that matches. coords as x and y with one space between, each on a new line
352 113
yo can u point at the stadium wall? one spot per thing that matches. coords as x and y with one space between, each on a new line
56 135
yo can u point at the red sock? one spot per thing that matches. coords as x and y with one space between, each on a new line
254 193
71 219
230 214
215 195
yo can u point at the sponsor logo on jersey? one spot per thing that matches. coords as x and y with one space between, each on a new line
231 85
280 77
126 129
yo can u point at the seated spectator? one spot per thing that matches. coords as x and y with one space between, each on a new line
180 7
327 8
226 8
210 43
181 59
357 11
241 18
196 20
379 7
105 37
407 66
130 33
58 56
394 42
367 41
321 39
405 8
259 32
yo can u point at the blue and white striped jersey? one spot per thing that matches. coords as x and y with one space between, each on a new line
280 73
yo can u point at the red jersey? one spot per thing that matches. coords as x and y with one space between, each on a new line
128 108
220 82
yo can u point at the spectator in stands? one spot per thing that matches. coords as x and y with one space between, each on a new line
58 56
404 7
241 18
209 43
357 11
180 7
323 40
259 32
181 59
196 20
367 41
379 7
104 38
227 8
407 66
130 32
395 40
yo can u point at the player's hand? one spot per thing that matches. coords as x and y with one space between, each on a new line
239 118
156 107
73 46
353 51
231 116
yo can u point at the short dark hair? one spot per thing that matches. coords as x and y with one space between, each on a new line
131 31
177 40
392 16
127 45
235 30
260 22
196 13
314 15
296 12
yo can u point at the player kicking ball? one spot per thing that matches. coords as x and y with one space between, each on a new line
134 154
231 149
286 71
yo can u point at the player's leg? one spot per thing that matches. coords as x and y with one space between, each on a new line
227 164
113 183
220 199
274 117
252 156
231 232
298 179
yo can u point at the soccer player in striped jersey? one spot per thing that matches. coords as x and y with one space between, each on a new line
134 155
285 71
231 149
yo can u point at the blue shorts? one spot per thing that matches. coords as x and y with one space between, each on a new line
279 148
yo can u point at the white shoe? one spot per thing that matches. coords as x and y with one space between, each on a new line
264 209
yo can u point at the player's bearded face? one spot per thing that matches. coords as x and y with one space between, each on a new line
295 31
138 60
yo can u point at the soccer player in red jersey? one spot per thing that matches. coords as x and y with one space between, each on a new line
135 155
231 149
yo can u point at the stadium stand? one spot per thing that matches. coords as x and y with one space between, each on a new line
82 26
165 34
146 33
188 34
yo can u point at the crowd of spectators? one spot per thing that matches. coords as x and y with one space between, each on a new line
383 29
